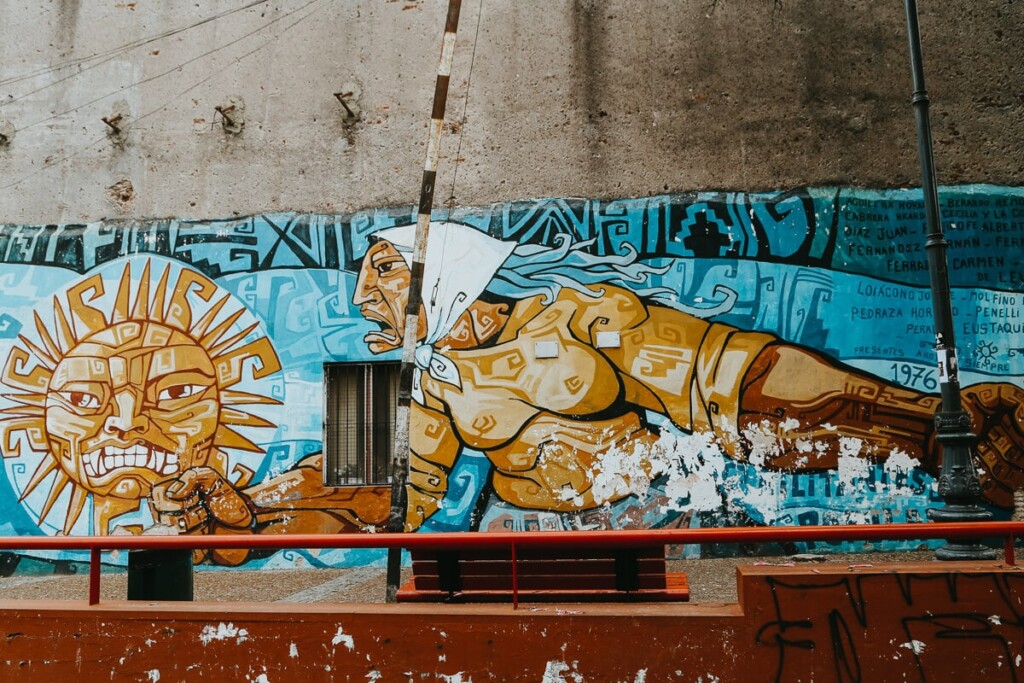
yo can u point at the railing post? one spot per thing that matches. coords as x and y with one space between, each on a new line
94 576
1008 549
515 578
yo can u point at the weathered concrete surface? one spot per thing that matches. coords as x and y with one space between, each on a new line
926 621
568 98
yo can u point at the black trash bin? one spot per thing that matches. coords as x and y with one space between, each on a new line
160 575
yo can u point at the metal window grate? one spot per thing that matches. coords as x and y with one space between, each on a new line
359 422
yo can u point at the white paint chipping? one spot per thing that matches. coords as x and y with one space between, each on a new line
342 638
293 651
900 462
553 673
454 678
916 646
641 676
153 675
852 469
699 472
262 678
373 676
222 632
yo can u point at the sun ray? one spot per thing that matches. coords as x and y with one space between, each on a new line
86 318
231 341
44 334
26 399
28 411
229 438
156 311
75 507
60 482
46 467
122 302
232 397
141 309
217 332
33 428
65 337
231 416
43 357
199 329
19 373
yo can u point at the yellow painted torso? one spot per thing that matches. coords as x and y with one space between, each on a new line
545 422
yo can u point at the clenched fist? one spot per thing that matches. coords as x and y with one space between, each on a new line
997 417
198 499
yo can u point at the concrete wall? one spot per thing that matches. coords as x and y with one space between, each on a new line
568 98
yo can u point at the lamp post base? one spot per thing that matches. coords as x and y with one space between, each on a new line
958 550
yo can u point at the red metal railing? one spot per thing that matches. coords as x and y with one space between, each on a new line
1008 531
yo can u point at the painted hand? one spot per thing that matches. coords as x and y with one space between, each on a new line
199 499
997 416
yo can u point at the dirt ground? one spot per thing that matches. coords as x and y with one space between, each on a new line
711 580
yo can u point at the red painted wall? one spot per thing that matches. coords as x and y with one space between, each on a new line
915 622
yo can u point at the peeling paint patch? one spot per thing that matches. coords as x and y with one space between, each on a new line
641 676
996 620
153 675
293 651
342 638
223 632
454 678
553 673
914 645
851 467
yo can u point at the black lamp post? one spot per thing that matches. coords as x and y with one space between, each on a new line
958 482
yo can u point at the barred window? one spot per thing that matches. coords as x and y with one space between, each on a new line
359 422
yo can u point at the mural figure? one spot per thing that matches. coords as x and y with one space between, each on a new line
550 360
118 401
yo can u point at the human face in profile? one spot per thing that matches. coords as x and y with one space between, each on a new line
382 292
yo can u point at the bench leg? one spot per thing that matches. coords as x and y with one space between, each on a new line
448 575
627 571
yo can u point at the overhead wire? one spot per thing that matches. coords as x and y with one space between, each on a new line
154 77
111 53
173 99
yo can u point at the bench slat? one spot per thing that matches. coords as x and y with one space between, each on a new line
541 553
540 567
539 582
677 591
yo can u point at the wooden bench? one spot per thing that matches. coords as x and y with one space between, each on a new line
544 575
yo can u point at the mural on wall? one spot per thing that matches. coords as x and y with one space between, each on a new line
112 399
686 360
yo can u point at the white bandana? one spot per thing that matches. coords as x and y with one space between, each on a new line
460 262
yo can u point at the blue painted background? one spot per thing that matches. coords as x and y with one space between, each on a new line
839 270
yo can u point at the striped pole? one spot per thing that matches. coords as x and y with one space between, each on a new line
400 460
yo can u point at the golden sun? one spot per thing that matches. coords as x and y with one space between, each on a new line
122 400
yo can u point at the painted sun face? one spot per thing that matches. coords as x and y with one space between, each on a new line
119 395
130 406
382 292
